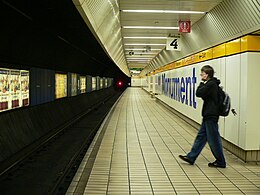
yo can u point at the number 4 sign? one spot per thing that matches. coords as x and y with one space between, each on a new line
173 43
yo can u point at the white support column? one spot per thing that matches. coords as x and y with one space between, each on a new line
149 83
153 78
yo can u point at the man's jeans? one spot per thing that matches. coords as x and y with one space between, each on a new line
208 132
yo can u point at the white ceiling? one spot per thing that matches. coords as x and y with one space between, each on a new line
155 19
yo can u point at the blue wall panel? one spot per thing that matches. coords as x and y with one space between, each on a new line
42 87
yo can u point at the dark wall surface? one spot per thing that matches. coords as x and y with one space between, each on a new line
51 34
48 35
22 127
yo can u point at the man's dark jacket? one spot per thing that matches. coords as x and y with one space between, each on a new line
209 93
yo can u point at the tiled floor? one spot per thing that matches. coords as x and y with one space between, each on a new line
139 155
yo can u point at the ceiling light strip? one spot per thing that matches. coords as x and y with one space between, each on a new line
157 44
145 37
142 53
153 27
129 49
164 11
139 58
137 63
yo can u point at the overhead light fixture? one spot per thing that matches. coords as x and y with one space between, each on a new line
135 71
140 56
129 58
145 37
157 44
143 49
138 60
143 53
165 11
154 27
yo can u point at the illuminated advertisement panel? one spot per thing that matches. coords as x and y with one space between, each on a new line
73 84
106 83
60 85
82 84
14 88
101 83
24 88
4 89
94 83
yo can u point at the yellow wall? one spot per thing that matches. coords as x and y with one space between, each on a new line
243 44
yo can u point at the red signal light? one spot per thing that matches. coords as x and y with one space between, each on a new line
120 83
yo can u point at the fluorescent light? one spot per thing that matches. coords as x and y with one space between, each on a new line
153 27
165 11
136 63
145 37
135 71
129 58
139 57
138 60
142 53
145 57
134 60
145 44
143 49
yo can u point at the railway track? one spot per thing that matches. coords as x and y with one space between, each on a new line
50 168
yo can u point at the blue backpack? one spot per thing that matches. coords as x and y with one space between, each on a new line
224 102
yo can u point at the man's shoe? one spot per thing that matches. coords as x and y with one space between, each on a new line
216 165
186 159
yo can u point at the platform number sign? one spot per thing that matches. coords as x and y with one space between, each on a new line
173 43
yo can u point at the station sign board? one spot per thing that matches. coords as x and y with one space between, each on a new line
173 43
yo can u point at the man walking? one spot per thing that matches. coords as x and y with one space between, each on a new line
208 91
